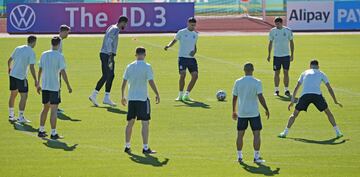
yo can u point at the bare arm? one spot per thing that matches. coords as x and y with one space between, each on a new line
192 53
170 44
38 83
269 50
294 95
154 88
332 93
33 73
234 101
123 86
9 64
263 104
65 78
292 48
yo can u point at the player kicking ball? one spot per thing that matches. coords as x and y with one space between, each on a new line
21 58
52 63
246 92
138 74
187 50
311 80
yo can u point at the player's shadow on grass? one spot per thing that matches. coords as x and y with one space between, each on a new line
56 144
331 141
23 127
260 169
284 98
62 116
148 160
195 104
113 110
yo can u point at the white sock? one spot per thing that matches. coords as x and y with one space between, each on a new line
187 93
336 128
240 155
276 89
107 95
286 130
127 145
146 146
42 129
181 93
53 132
256 154
21 113
286 89
11 112
95 93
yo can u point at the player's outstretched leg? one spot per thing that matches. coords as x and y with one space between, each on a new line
333 123
182 77
145 136
128 131
256 144
12 97
239 145
291 121
22 104
194 78
43 117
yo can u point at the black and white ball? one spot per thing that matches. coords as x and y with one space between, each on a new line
221 95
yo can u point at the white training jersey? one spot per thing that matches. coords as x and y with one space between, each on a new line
22 56
187 41
51 63
280 39
311 80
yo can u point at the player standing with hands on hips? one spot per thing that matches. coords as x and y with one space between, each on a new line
107 54
279 37
246 93
187 50
138 74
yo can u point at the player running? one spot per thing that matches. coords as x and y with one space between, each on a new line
246 92
311 80
52 63
280 36
187 50
21 58
138 74
63 34
107 54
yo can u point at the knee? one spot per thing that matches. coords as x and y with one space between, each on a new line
194 76
145 123
130 124
182 76
277 73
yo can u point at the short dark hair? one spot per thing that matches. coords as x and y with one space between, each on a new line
278 20
64 28
31 39
192 20
248 66
55 41
140 50
314 62
123 19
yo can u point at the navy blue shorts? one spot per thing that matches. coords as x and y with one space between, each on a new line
188 63
139 110
281 62
307 99
21 85
255 123
51 97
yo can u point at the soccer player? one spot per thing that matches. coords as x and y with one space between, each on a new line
187 50
107 54
311 80
246 92
63 34
138 74
52 63
280 36
21 58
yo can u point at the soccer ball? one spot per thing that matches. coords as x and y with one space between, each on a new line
221 95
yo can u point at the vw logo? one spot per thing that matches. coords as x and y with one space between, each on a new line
22 17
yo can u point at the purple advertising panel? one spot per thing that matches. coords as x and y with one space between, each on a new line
96 17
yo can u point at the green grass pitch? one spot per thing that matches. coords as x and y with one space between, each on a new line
195 139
